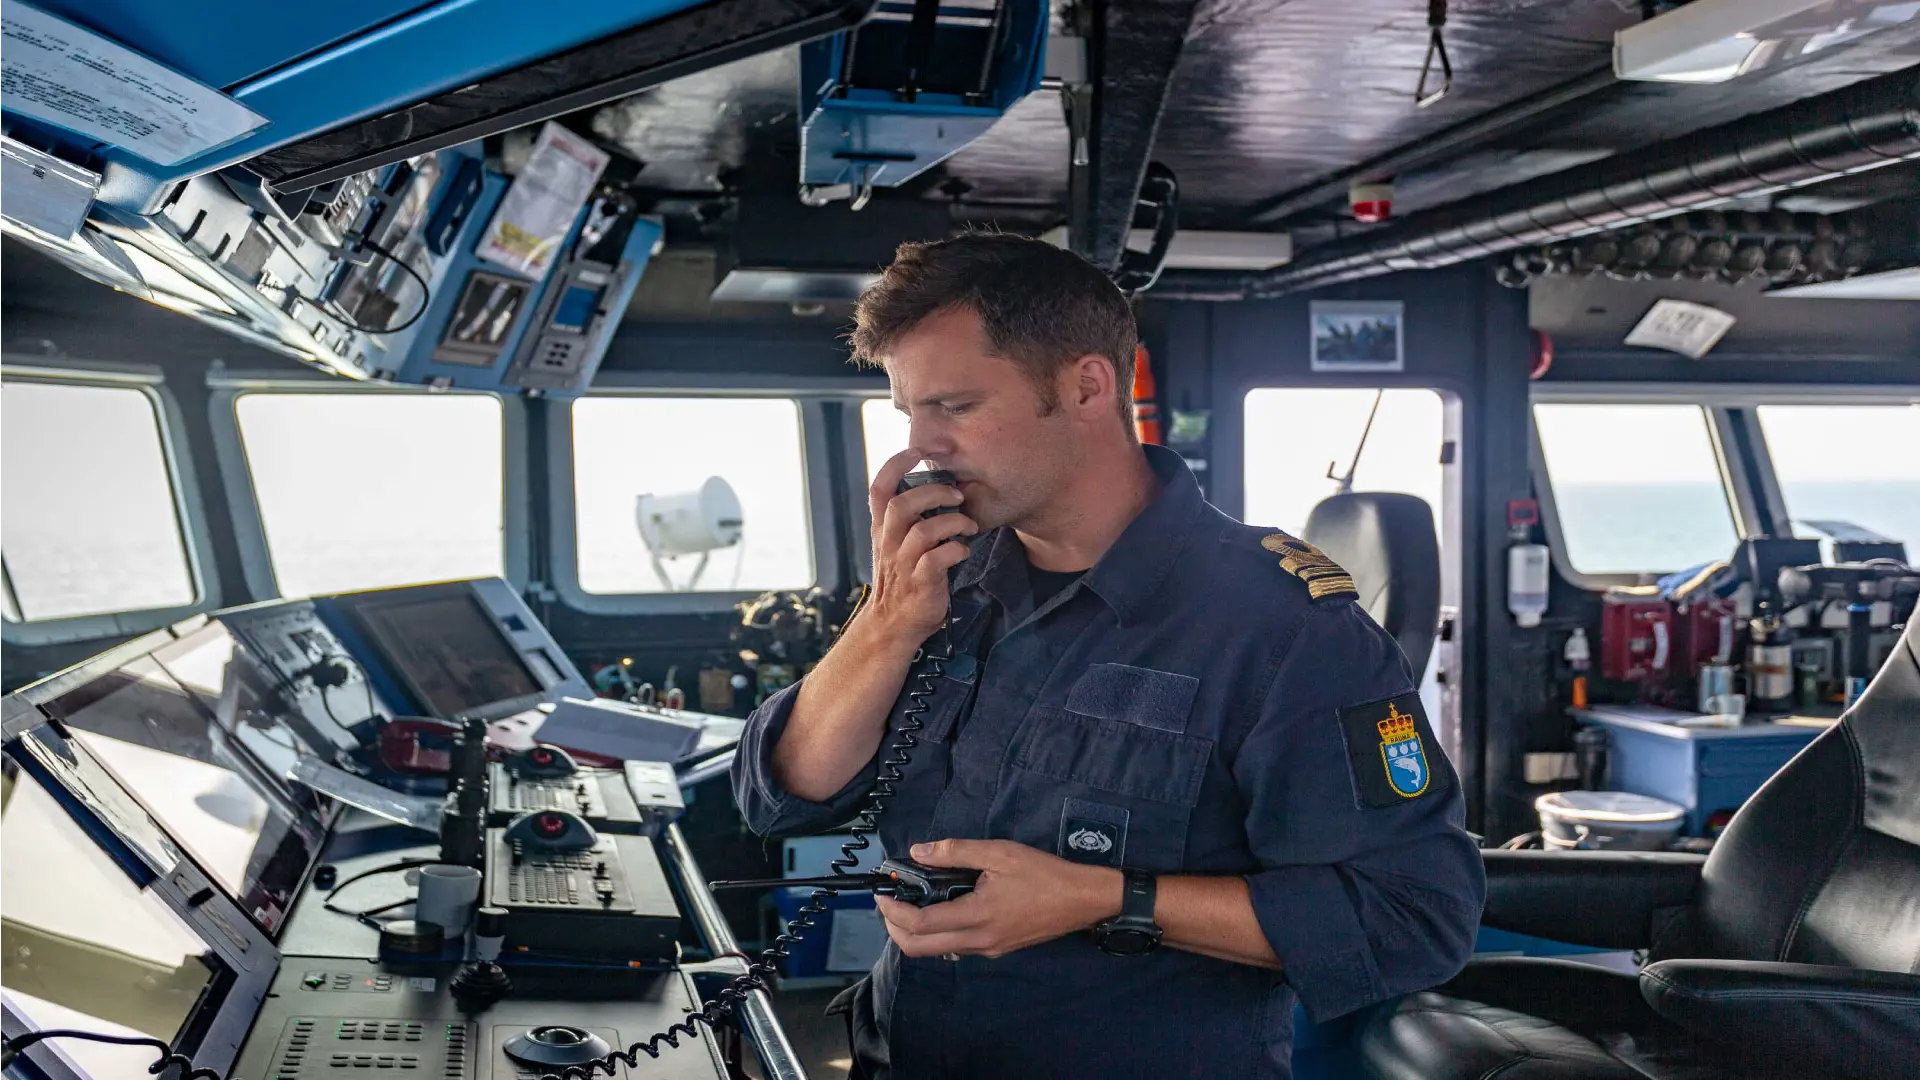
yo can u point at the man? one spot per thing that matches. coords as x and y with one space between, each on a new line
1158 723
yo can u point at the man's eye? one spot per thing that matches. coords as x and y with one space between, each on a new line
958 410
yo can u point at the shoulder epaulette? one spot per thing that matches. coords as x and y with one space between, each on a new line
1324 578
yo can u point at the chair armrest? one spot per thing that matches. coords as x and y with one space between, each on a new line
1830 1021
1605 899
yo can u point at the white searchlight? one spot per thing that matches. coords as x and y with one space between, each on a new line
697 522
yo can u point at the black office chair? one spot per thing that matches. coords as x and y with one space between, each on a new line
1790 951
1385 540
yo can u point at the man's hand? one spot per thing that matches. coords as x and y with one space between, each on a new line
911 556
840 713
1023 897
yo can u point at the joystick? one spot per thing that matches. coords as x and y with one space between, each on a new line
481 983
556 1045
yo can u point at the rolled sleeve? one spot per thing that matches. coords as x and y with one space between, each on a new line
768 808
1360 903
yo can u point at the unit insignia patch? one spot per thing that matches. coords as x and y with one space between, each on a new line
1387 745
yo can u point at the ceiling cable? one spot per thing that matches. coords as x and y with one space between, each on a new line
1436 46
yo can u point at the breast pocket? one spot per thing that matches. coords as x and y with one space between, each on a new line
1108 791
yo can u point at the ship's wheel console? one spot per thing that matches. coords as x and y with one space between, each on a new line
499 915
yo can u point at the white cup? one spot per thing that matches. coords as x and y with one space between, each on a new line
447 896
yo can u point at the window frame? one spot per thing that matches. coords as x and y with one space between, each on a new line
817 464
236 474
860 512
189 510
1747 498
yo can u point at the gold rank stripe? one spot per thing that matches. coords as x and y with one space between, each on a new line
1323 577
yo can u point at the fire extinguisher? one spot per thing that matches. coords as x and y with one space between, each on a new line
1146 411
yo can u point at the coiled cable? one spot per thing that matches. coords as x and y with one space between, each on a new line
929 664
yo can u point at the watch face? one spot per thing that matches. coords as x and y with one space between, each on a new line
1121 941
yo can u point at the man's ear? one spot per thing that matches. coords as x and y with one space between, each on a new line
1093 385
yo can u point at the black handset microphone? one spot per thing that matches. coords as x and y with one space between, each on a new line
906 879
923 478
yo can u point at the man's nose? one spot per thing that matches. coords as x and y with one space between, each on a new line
931 436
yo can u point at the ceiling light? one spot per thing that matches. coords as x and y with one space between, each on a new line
1902 284
1199 250
1710 41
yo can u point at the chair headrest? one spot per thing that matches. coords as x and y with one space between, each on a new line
1386 541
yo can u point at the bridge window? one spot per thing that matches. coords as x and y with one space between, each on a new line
886 431
92 521
1295 436
371 490
1852 464
625 447
1637 488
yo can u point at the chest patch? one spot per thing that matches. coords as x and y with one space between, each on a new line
1093 833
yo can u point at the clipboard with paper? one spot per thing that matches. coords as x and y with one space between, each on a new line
538 211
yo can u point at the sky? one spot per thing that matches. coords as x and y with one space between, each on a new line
624 447
370 490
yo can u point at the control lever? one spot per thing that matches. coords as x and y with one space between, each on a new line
902 879
463 823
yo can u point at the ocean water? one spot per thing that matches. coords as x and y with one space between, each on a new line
1660 528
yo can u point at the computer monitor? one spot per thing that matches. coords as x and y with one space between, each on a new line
83 946
213 774
447 650
247 699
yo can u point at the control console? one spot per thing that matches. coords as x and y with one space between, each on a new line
641 799
341 1020
570 891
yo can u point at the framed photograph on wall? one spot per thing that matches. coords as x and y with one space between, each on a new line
1356 335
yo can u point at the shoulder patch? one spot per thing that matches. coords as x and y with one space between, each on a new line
1324 578
1388 745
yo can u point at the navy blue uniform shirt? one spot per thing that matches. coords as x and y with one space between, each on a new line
1185 707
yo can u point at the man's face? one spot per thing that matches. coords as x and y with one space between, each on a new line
977 416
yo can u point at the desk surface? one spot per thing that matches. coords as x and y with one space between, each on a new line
1657 720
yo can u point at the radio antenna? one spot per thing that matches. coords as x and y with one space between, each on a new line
1346 482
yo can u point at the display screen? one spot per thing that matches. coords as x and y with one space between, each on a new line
81 945
213 776
576 308
247 694
447 649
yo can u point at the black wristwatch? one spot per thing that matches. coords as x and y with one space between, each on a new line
1132 932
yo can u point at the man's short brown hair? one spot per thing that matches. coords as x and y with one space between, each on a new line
1040 306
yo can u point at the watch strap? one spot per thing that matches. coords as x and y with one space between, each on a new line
1137 897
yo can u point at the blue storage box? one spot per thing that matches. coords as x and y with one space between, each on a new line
1708 771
